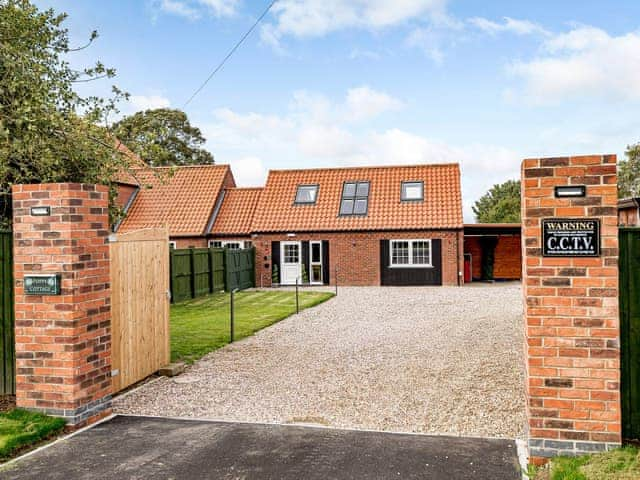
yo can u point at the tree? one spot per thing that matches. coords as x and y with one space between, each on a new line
163 137
48 132
501 204
629 173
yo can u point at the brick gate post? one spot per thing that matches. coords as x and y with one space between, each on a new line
63 338
571 305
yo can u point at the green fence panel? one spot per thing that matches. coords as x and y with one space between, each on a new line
629 265
240 269
181 275
216 262
201 272
196 272
7 332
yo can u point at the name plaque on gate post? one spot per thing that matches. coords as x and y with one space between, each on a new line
566 237
42 284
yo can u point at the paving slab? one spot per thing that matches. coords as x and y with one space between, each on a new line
163 448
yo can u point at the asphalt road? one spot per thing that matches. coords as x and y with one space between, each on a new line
144 447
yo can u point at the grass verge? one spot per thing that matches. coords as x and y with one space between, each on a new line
21 429
620 464
201 325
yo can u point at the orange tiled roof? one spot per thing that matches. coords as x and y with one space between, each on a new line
236 213
183 200
441 208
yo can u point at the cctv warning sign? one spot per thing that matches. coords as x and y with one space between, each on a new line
563 237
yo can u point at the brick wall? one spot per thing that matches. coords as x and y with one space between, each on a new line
357 254
571 312
190 242
63 343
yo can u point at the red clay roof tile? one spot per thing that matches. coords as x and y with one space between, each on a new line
236 212
441 208
182 198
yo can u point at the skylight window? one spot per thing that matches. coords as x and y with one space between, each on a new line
307 194
412 191
355 198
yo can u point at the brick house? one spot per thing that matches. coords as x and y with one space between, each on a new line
183 198
399 225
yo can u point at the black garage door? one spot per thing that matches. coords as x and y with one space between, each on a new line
411 276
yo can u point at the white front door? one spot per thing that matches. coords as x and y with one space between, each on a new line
290 262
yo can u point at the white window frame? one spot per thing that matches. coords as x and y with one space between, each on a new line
232 242
319 263
173 245
411 264
247 244
211 243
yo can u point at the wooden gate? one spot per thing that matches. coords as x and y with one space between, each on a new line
629 265
7 335
139 305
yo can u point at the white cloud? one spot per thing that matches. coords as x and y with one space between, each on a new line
221 8
314 18
364 103
318 132
196 9
511 25
429 41
179 8
148 102
585 62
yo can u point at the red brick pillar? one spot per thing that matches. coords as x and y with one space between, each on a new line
571 311
63 342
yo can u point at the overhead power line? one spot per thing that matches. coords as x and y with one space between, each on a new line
231 52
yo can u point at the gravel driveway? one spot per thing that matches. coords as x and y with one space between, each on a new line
441 360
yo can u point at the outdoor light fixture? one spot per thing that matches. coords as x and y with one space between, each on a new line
40 211
571 191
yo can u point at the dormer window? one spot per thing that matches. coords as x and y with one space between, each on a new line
306 194
412 191
355 198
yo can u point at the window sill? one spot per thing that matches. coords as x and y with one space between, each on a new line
410 266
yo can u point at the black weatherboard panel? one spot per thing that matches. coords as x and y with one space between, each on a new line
275 258
326 269
411 276
305 260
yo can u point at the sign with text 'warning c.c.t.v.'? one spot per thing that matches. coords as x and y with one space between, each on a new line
566 237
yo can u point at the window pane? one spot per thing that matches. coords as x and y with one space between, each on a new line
412 191
306 194
346 207
399 253
248 244
291 253
421 253
315 252
232 245
360 207
349 190
363 189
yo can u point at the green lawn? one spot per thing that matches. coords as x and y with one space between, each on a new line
201 325
620 464
20 428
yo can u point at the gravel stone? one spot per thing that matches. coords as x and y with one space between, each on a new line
440 360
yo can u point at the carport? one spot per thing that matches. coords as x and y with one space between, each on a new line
492 251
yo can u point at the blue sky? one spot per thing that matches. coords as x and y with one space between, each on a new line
359 82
